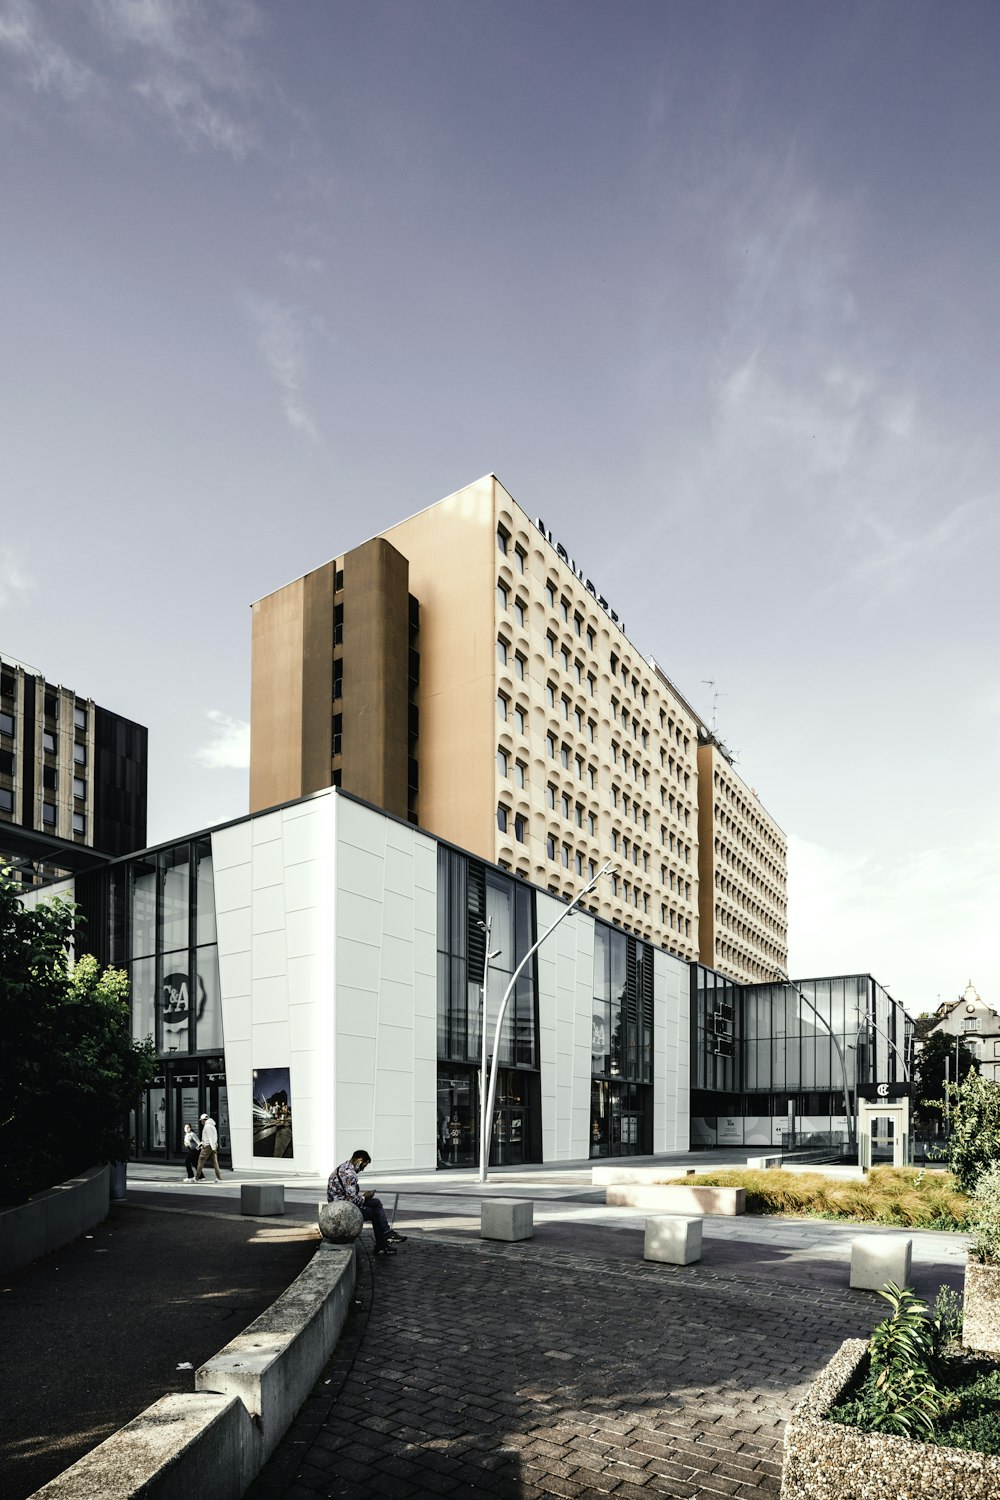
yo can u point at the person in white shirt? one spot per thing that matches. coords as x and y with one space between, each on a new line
209 1148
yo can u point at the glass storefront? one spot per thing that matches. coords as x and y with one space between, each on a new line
621 1063
161 929
470 895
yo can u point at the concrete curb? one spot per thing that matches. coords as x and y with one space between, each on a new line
51 1219
215 1441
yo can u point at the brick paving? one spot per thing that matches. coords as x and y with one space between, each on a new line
527 1371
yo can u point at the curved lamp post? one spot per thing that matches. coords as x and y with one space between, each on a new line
486 1114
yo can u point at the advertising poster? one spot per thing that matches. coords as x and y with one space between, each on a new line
272 1112
730 1131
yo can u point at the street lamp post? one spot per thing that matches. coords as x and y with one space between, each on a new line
486 1132
482 1076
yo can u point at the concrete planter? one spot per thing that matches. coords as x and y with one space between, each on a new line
827 1461
981 1328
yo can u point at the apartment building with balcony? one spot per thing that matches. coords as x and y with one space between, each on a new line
72 776
461 670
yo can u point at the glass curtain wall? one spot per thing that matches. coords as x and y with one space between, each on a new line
469 895
621 1064
162 928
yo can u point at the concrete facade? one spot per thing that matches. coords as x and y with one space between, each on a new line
546 742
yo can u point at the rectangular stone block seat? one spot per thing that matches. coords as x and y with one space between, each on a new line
262 1199
672 1239
878 1258
506 1219
677 1198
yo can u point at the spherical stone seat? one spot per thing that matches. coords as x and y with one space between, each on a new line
340 1222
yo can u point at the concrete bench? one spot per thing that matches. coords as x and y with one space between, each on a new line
878 1258
673 1240
262 1199
676 1198
506 1219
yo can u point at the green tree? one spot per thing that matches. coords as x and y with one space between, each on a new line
69 1069
935 1061
974 1142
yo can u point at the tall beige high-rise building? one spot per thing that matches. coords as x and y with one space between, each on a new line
461 670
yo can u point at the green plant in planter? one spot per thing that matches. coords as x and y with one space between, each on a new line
903 1392
985 1218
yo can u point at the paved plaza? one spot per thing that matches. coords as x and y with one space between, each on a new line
561 1365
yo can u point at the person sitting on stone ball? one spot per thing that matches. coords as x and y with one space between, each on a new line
342 1187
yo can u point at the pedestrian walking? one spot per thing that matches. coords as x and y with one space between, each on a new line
342 1187
192 1146
209 1148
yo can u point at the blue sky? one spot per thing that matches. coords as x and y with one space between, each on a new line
710 287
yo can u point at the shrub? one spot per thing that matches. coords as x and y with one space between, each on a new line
974 1143
984 1215
903 1392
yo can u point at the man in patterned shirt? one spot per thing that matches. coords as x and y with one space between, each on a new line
342 1187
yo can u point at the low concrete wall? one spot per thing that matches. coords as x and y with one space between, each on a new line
214 1442
272 1365
178 1448
678 1199
51 1219
827 1461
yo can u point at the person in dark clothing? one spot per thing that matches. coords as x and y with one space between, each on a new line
342 1187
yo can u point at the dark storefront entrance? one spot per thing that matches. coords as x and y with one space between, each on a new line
516 1116
181 1093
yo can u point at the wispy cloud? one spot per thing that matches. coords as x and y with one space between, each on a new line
280 335
187 66
229 747
16 583
45 65
303 265
920 920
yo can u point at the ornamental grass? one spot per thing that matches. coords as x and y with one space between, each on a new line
903 1197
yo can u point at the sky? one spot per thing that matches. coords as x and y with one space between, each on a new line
711 287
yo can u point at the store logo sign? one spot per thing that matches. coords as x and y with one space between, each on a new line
578 572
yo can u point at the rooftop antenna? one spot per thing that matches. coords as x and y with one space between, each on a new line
716 695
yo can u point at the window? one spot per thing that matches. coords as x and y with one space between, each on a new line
564 756
502 818
578 815
48 814
972 1023
564 706
520 773
49 742
79 787
591 638
592 825
520 828
578 624
520 611
503 763
6 724
591 683
564 855
80 754
521 720
550 694
79 823
564 805
550 589
591 730
503 703
519 665
520 558
550 746
566 658
550 795
578 863
501 651
592 776
503 540
550 644
564 609
503 595
550 847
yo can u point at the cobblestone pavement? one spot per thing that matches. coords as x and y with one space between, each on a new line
523 1371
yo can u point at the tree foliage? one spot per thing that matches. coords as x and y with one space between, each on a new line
935 1060
974 1142
69 1069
